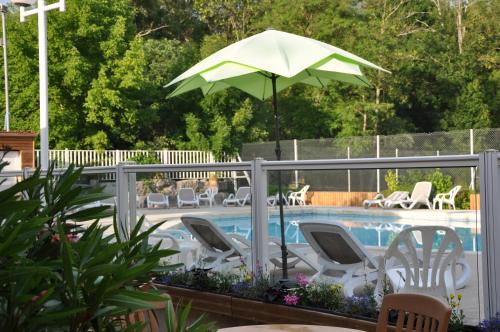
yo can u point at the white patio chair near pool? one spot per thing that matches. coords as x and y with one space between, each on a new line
446 198
174 239
380 200
298 197
158 200
241 198
341 257
419 196
223 251
186 196
424 269
273 200
209 195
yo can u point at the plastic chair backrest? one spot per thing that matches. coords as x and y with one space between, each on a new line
210 235
242 192
335 243
454 191
425 267
155 197
423 313
421 189
186 194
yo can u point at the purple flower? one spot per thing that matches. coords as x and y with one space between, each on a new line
302 280
291 299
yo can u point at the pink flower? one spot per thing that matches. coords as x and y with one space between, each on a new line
291 299
73 238
302 280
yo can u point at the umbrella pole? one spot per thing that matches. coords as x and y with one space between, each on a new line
284 251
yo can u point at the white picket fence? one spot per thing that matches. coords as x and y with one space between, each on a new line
63 158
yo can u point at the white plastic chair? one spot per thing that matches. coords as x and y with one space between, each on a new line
274 200
174 239
155 199
242 197
446 198
419 196
380 200
341 257
426 270
208 195
298 197
186 196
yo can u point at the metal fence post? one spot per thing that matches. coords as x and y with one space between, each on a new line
397 155
349 171
378 170
260 252
132 198
489 171
296 157
472 169
122 200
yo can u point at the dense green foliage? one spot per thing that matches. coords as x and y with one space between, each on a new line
109 61
56 275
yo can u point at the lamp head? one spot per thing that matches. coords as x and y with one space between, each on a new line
23 3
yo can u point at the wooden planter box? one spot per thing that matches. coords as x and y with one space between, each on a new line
234 311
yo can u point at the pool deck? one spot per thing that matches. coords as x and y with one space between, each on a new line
472 293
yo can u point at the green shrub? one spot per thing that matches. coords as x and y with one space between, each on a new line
57 275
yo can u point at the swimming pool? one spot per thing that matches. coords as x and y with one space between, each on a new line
370 229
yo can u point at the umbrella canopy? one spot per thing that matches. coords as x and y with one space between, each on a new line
249 64
266 63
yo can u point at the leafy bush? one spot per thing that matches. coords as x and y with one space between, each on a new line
392 181
260 286
57 275
146 159
441 183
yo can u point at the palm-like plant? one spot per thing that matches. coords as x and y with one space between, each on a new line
56 274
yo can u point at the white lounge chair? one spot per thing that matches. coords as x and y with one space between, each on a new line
186 196
155 199
380 200
298 197
446 198
208 195
242 197
174 239
224 251
419 196
274 200
424 269
341 257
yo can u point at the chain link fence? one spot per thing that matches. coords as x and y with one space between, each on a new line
402 145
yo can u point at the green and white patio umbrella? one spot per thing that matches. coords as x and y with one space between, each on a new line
266 63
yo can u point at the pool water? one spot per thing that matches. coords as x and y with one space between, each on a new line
370 230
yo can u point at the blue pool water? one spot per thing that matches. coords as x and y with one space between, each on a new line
371 230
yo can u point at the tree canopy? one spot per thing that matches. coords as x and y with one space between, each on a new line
110 59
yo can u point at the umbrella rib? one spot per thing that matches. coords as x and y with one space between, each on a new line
208 91
316 77
367 83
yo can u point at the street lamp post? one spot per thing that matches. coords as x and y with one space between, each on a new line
42 10
3 11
